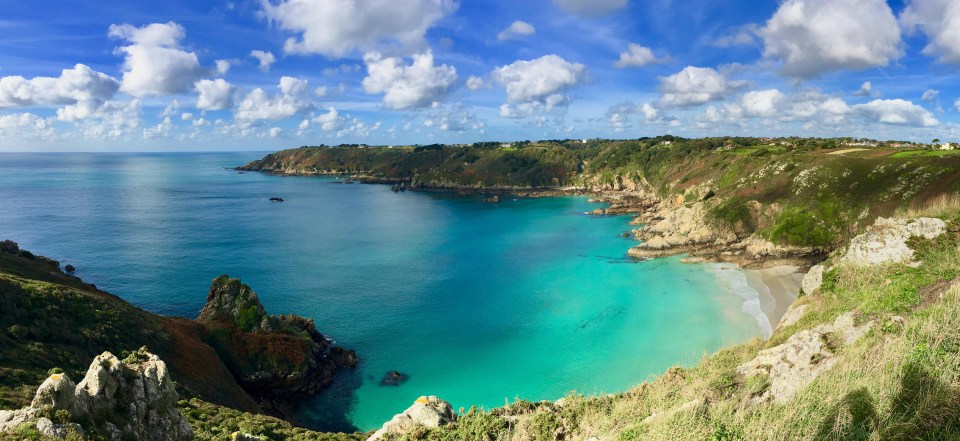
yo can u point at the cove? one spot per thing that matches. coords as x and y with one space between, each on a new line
477 303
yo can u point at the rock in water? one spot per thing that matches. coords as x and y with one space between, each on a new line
137 391
70 269
425 412
393 378
492 199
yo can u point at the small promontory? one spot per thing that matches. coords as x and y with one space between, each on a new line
279 359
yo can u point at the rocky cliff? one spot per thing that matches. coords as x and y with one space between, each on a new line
279 359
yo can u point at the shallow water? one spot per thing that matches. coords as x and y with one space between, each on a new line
478 303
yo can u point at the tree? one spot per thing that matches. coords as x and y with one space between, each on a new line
936 140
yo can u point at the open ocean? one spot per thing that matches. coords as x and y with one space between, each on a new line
478 303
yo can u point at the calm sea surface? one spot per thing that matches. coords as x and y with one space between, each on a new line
477 303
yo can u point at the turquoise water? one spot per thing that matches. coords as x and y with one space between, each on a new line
477 303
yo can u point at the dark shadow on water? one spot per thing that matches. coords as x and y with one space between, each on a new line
328 411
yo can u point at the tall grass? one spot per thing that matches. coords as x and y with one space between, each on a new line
942 206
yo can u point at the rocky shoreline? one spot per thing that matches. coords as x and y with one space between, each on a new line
665 226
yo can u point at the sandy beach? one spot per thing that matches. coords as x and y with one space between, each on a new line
778 287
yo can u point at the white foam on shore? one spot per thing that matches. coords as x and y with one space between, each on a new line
736 280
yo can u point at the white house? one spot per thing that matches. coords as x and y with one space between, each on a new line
946 146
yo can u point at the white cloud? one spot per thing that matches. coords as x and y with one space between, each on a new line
816 36
636 56
940 21
517 29
743 36
222 66
21 121
694 86
930 95
475 83
618 116
214 94
110 121
538 83
897 112
80 89
293 98
762 103
336 27
956 104
407 87
186 116
266 59
154 63
161 130
590 8
329 121
866 89
458 118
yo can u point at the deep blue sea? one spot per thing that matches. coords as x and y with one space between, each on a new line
478 303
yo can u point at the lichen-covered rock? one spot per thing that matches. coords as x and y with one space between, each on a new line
425 411
813 279
61 431
57 392
792 316
137 391
230 301
886 240
793 365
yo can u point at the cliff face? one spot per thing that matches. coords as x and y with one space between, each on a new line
278 359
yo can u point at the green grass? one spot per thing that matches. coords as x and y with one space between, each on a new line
926 154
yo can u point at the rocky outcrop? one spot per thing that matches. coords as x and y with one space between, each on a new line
130 399
812 279
792 366
672 227
886 240
425 412
278 359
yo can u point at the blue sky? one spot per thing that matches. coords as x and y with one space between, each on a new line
262 75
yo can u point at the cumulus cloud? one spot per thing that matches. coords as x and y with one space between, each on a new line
475 83
80 88
214 94
407 87
694 86
897 112
816 36
940 21
154 63
293 98
222 66
866 89
618 116
12 123
265 59
636 56
336 27
329 121
540 84
591 8
517 29
930 95
772 105
458 118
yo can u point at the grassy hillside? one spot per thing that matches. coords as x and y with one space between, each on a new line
824 192
53 322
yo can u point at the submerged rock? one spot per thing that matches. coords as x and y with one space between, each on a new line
492 199
393 378
425 412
